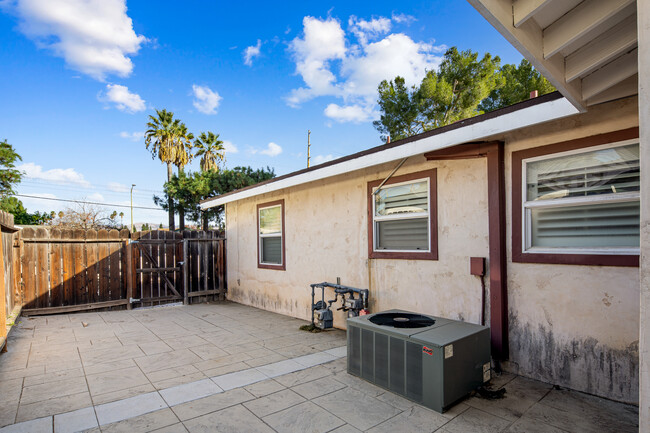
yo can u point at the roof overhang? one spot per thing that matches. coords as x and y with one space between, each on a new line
586 49
528 113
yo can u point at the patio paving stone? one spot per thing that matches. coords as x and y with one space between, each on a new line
129 408
41 425
274 402
317 388
233 419
116 380
213 403
143 423
477 421
280 368
413 420
265 387
53 406
239 379
356 408
303 418
122 394
75 421
189 391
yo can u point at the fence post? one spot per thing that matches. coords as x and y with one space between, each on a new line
129 271
186 275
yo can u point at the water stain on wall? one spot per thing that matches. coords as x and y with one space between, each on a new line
580 364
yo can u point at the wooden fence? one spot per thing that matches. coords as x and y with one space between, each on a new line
8 302
72 270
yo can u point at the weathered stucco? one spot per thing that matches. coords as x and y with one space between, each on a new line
326 238
576 326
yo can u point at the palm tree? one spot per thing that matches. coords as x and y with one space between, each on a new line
161 135
182 157
211 151
122 219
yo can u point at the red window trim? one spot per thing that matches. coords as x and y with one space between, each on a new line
518 256
433 218
260 265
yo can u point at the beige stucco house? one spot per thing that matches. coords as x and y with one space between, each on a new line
551 192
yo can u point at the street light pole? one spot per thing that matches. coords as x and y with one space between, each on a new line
132 228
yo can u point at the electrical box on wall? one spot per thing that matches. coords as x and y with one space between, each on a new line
477 266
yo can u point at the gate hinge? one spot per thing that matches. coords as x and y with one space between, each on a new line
132 300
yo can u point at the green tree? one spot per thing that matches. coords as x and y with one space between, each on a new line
191 188
210 149
519 81
9 175
162 135
452 93
183 156
21 216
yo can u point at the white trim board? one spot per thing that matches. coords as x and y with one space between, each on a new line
525 117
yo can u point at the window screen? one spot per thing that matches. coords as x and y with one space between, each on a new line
587 200
270 235
401 217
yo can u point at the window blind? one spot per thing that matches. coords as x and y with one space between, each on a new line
410 198
403 234
271 249
586 226
605 171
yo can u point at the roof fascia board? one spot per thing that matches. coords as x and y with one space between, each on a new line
529 116
528 40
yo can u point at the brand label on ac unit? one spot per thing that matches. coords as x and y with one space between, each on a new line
449 351
427 350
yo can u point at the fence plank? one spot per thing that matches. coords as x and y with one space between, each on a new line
154 250
56 271
68 269
124 236
92 267
79 258
42 259
18 283
28 268
104 266
115 280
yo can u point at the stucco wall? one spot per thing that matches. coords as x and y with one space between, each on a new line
576 326
326 238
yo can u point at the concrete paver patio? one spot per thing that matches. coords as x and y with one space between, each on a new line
228 367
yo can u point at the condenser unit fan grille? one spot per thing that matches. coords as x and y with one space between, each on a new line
402 320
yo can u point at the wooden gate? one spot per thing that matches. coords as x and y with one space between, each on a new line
204 266
157 260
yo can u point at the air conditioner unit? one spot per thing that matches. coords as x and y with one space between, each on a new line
430 360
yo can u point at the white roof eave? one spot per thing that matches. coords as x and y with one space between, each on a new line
529 116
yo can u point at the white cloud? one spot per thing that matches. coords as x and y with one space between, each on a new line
319 159
123 99
58 175
133 136
349 113
251 52
272 150
365 30
118 187
95 37
403 18
323 41
205 99
230 148
96 197
352 72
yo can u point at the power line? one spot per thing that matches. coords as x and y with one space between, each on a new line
100 187
88 202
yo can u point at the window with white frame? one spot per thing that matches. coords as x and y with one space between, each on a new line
270 227
583 201
401 217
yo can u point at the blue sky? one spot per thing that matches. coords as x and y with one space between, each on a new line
80 77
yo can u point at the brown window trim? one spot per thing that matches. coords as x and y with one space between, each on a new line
518 255
283 266
433 218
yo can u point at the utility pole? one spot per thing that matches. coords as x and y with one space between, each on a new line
132 227
308 147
